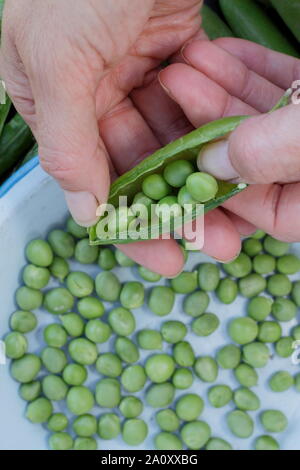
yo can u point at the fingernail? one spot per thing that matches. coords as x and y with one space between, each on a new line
227 261
214 159
159 76
83 207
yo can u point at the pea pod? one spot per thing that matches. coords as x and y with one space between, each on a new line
249 21
4 110
289 10
33 152
213 25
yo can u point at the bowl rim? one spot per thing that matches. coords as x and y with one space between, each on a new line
18 175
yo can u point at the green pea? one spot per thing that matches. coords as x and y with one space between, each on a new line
83 351
35 276
149 339
269 332
140 199
246 375
167 420
182 379
23 321
132 295
246 400
39 253
259 308
108 286
196 304
183 354
252 247
173 331
80 400
28 298
288 264
227 290
54 359
86 253
39 410
26 368
76 230
85 443
133 378
109 426
281 381
131 407
107 259
279 285
195 434
90 308
97 331
206 369
252 285
296 332
124 260
57 422
284 310
297 382
266 443
161 300
74 374
126 350
275 247
243 330
185 198
167 441
54 388
202 186
240 424
177 172
296 293
208 276
258 235
159 368
116 221
85 425
148 275
220 396
60 441
184 283
55 335
229 356
58 301
134 431
274 421
30 391
256 354
160 395
59 268
108 393
285 346
206 324
15 345
216 443
168 209
62 243
80 284
264 264
155 187
122 321
73 324
189 407
109 364
240 267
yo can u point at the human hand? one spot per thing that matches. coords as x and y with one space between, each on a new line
71 67
236 77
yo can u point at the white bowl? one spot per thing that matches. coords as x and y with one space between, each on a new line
30 205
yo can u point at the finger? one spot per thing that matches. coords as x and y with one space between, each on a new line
201 99
278 68
272 208
162 114
262 150
238 80
162 256
243 226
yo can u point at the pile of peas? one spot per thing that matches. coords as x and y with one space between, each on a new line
88 313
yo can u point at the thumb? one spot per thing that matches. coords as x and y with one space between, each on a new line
71 149
262 150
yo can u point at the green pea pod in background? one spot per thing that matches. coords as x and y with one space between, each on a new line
289 10
15 141
213 25
33 152
249 21
4 110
